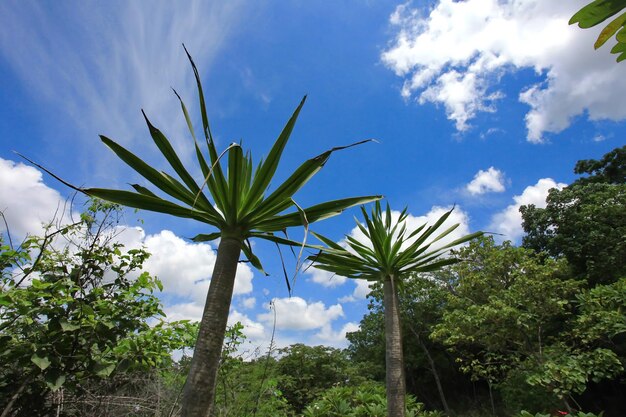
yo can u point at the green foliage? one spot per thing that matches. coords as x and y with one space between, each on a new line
505 305
597 12
512 316
390 250
610 169
74 307
601 315
524 413
306 371
364 400
367 344
247 387
239 203
586 221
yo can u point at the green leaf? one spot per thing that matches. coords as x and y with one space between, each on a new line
281 240
155 177
252 258
146 202
597 12
103 369
54 379
610 30
207 237
41 361
266 170
314 213
297 180
68 327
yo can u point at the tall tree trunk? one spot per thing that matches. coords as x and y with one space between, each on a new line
199 391
433 370
394 361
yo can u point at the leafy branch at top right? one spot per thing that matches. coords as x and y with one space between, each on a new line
597 12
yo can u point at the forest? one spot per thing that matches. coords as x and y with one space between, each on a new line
532 330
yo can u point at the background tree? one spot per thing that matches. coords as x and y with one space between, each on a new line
77 313
243 207
422 300
390 255
586 221
503 307
306 371
511 319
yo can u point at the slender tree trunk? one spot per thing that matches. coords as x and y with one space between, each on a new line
394 361
199 391
433 370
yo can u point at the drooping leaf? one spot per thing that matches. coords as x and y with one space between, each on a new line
68 327
55 379
41 361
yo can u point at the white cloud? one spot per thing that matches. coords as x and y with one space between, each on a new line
184 311
296 313
491 180
101 82
249 302
26 201
456 53
253 330
329 337
362 288
509 221
185 268
325 278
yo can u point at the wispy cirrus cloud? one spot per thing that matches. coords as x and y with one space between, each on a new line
96 64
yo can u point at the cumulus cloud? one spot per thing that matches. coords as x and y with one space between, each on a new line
253 330
491 180
330 337
295 313
249 302
184 311
361 290
325 278
28 203
509 221
185 268
455 53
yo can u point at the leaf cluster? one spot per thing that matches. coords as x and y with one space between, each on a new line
389 249
74 306
597 12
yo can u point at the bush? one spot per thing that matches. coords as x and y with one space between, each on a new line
365 400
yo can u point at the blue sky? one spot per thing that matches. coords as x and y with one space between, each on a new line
480 103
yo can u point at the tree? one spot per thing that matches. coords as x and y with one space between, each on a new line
242 208
585 221
512 319
390 255
247 383
74 308
306 371
597 12
422 299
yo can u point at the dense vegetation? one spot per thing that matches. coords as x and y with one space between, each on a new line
539 327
